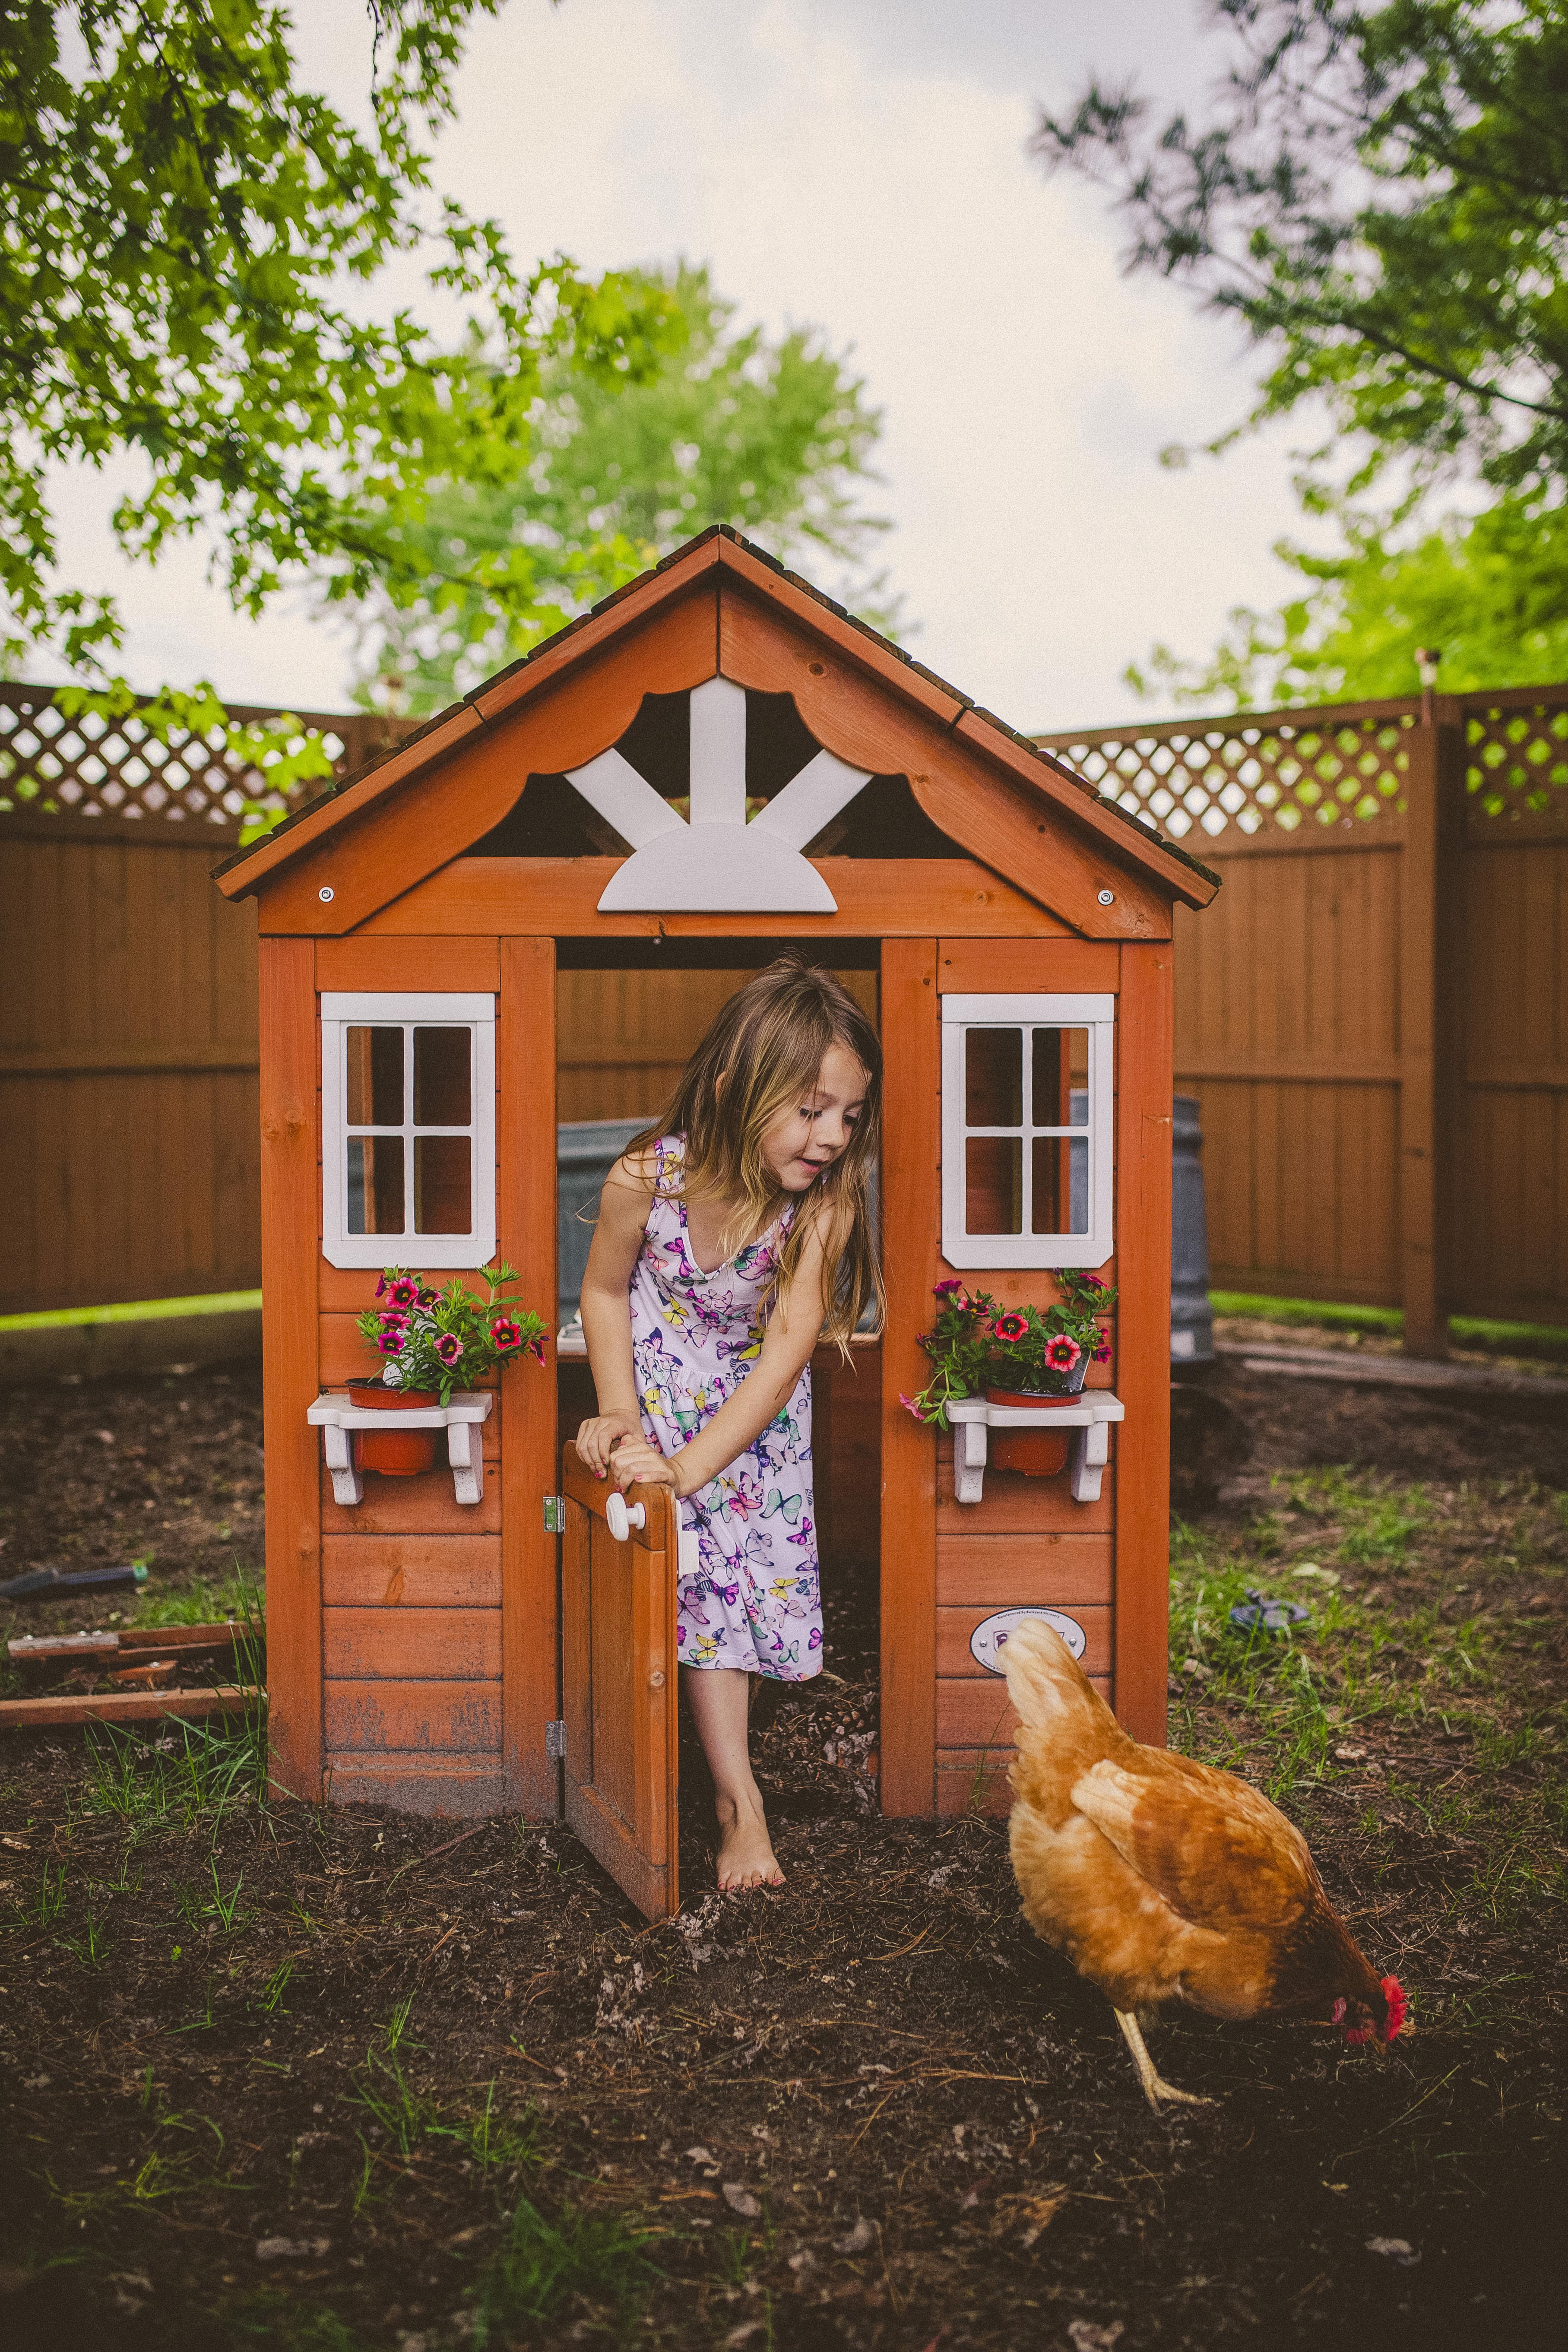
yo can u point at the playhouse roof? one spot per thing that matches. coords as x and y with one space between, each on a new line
748 568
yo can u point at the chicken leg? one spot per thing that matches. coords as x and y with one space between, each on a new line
1155 2088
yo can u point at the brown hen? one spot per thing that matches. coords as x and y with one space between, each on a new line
1165 1880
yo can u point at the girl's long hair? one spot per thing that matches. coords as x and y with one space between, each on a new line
763 1052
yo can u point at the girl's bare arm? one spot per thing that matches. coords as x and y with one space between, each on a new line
606 1312
793 1328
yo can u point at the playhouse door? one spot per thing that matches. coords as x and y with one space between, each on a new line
617 1629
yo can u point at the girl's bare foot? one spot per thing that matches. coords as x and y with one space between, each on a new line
746 1858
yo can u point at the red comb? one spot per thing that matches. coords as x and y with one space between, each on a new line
1393 1994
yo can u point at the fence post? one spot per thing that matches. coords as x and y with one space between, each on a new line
1430 1040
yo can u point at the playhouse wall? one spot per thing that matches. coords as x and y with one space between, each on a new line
412 1640
946 1723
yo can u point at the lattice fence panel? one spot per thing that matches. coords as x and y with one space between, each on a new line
1516 756
1252 773
117 770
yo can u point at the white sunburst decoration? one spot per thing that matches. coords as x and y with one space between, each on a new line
719 862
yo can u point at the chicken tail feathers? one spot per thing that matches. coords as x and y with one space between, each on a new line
1045 1681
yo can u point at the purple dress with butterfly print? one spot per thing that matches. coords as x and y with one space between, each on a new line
748 1594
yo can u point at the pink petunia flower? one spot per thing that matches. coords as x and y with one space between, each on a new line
391 1320
536 1350
404 1294
505 1336
1062 1353
952 1289
389 1342
1102 1353
1014 1327
449 1347
911 1406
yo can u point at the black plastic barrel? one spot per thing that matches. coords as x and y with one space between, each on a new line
1192 1316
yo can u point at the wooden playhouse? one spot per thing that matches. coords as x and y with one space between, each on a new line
716 761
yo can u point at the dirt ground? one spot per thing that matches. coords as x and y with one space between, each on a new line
275 2077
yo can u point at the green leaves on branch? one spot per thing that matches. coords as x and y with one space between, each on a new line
1381 198
185 239
773 436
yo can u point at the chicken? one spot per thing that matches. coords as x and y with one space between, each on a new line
1162 1879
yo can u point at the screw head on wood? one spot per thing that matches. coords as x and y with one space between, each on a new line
1106 897
326 893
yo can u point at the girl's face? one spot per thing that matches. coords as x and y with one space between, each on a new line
808 1135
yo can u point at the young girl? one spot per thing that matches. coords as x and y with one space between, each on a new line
731 1237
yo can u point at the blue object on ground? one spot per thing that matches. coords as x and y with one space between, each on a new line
1273 1615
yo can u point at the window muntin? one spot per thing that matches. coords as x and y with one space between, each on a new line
408 1144
1027 1160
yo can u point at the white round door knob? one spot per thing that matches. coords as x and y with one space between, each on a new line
621 1516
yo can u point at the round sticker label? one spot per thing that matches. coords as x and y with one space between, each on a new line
989 1638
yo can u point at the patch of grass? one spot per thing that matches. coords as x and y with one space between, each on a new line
178 1774
547 2266
1419 1638
240 1598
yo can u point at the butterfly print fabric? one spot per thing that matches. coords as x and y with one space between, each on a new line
754 1601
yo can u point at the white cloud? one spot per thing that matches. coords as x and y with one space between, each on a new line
862 167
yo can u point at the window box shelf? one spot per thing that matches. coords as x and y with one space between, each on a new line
337 1418
1088 1418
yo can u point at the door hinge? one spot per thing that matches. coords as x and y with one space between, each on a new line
555 1741
554 1515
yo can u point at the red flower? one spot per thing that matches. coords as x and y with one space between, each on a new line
1062 1353
505 1336
1014 1327
1102 1353
390 1342
536 1350
449 1347
391 1320
403 1293
955 1291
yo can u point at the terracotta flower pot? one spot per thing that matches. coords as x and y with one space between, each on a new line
394 1452
1037 1453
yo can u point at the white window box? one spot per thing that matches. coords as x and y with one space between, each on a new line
1028 1085
408 1130
334 1416
1088 1417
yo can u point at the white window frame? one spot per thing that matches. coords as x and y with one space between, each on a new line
402 1009
959 1015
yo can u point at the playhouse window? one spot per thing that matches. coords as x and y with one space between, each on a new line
408 1130
1026 1121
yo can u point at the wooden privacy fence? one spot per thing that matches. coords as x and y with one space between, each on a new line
128 1006
1373 1013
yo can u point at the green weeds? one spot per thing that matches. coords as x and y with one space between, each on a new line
547 2265
405 2119
1438 1659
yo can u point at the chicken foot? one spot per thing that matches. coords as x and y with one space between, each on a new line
1154 2087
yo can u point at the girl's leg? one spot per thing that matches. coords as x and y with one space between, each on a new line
719 1697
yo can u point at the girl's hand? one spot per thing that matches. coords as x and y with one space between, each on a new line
636 1462
597 1439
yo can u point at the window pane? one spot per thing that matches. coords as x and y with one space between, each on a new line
1060 1072
376 1078
442 1094
1059 1198
993 1183
443 1185
993 1078
375 1182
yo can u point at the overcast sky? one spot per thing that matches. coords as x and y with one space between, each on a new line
858 164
